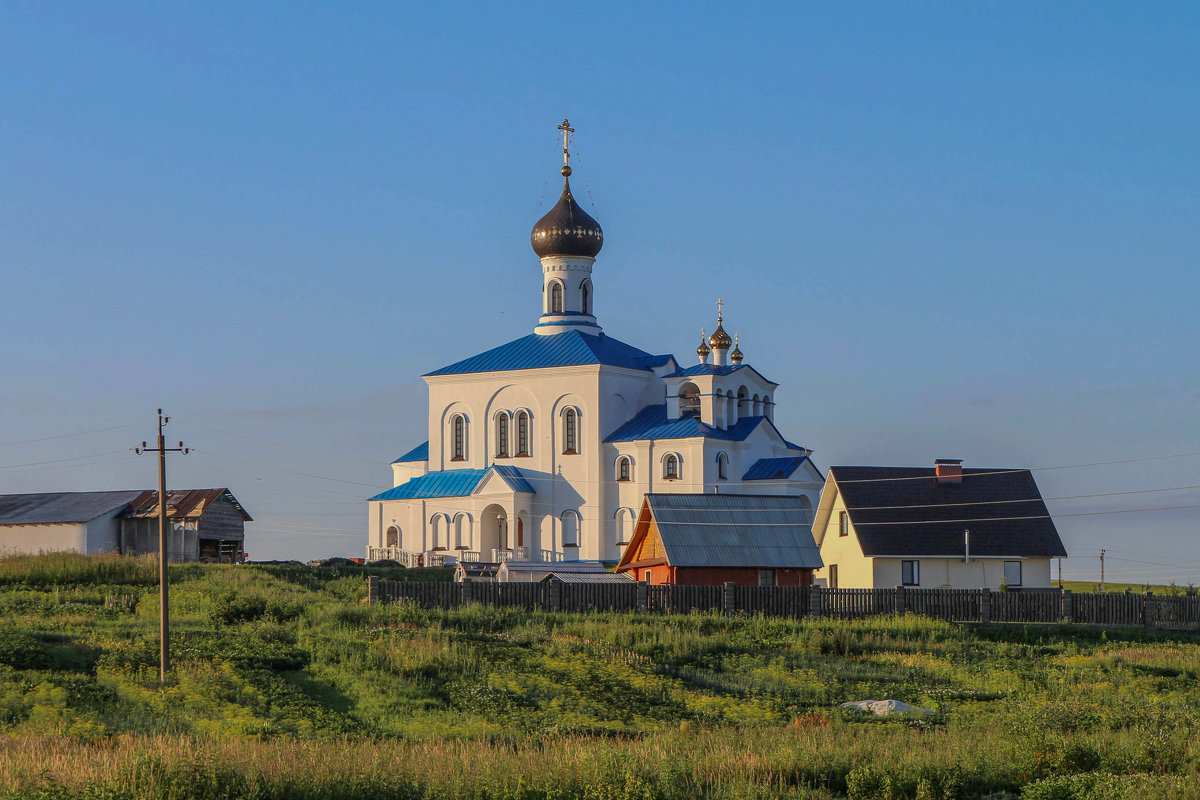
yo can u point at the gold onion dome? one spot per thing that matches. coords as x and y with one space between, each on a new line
720 339
736 356
702 350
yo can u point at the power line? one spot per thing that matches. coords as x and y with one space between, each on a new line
278 444
60 460
374 486
227 471
967 474
69 435
71 466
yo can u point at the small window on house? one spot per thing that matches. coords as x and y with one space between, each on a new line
766 577
1012 573
623 469
502 435
843 524
671 468
722 466
459 426
522 434
910 573
570 432
585 292
393 537
556 298
833 576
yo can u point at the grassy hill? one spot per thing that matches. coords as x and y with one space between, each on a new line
287 686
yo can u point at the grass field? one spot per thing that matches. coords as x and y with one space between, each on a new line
287 686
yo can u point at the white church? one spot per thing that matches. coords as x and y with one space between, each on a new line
542 449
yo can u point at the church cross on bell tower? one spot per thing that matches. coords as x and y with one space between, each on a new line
566 241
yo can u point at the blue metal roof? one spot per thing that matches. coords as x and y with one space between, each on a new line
570 349
707 369
418 453
773 469
454 483
652 423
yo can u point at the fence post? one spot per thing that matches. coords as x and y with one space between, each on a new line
643 596
1148 609
985 605
372 589
556 595
816 601
729 599
901 601
1068 605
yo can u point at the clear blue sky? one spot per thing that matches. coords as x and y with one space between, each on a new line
959 229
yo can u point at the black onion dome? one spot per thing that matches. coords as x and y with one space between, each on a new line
567 230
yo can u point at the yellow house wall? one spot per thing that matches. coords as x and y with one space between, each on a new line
979 573
854 569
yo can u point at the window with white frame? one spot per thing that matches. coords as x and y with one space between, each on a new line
910 573
570 432
624 469
556 298
1012 573
722 466
843 524
522 433
585 297
671 467
502 434
458 434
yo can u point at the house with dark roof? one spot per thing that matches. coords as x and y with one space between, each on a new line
937 527
713 539
206 524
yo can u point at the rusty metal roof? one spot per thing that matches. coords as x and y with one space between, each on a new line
184 503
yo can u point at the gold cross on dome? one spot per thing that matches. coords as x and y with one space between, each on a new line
720 305
567 130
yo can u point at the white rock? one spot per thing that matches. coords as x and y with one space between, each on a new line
883 708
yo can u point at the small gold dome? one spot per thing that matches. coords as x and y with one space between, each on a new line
702 350
736 356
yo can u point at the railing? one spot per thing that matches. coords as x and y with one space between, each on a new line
411 560
952 605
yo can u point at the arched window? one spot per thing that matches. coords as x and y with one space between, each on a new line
522 433
689 400
459 435
520 532
556 298
570 431
757 406
624 469
462 532
585 292
671 467
570 529
439 532
722 466
393 537
502 434
743 406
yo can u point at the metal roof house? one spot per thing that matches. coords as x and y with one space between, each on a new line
206 524
939 527
708 539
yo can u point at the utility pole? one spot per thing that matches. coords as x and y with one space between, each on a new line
1060 574
164 623
1101 570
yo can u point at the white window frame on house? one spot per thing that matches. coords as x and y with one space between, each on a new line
556 297
910 572
585 297
1011 565
833 576
843 524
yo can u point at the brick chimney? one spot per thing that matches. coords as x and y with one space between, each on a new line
948 470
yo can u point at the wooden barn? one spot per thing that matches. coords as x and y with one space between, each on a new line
712 539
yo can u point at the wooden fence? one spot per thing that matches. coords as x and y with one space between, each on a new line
954 605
